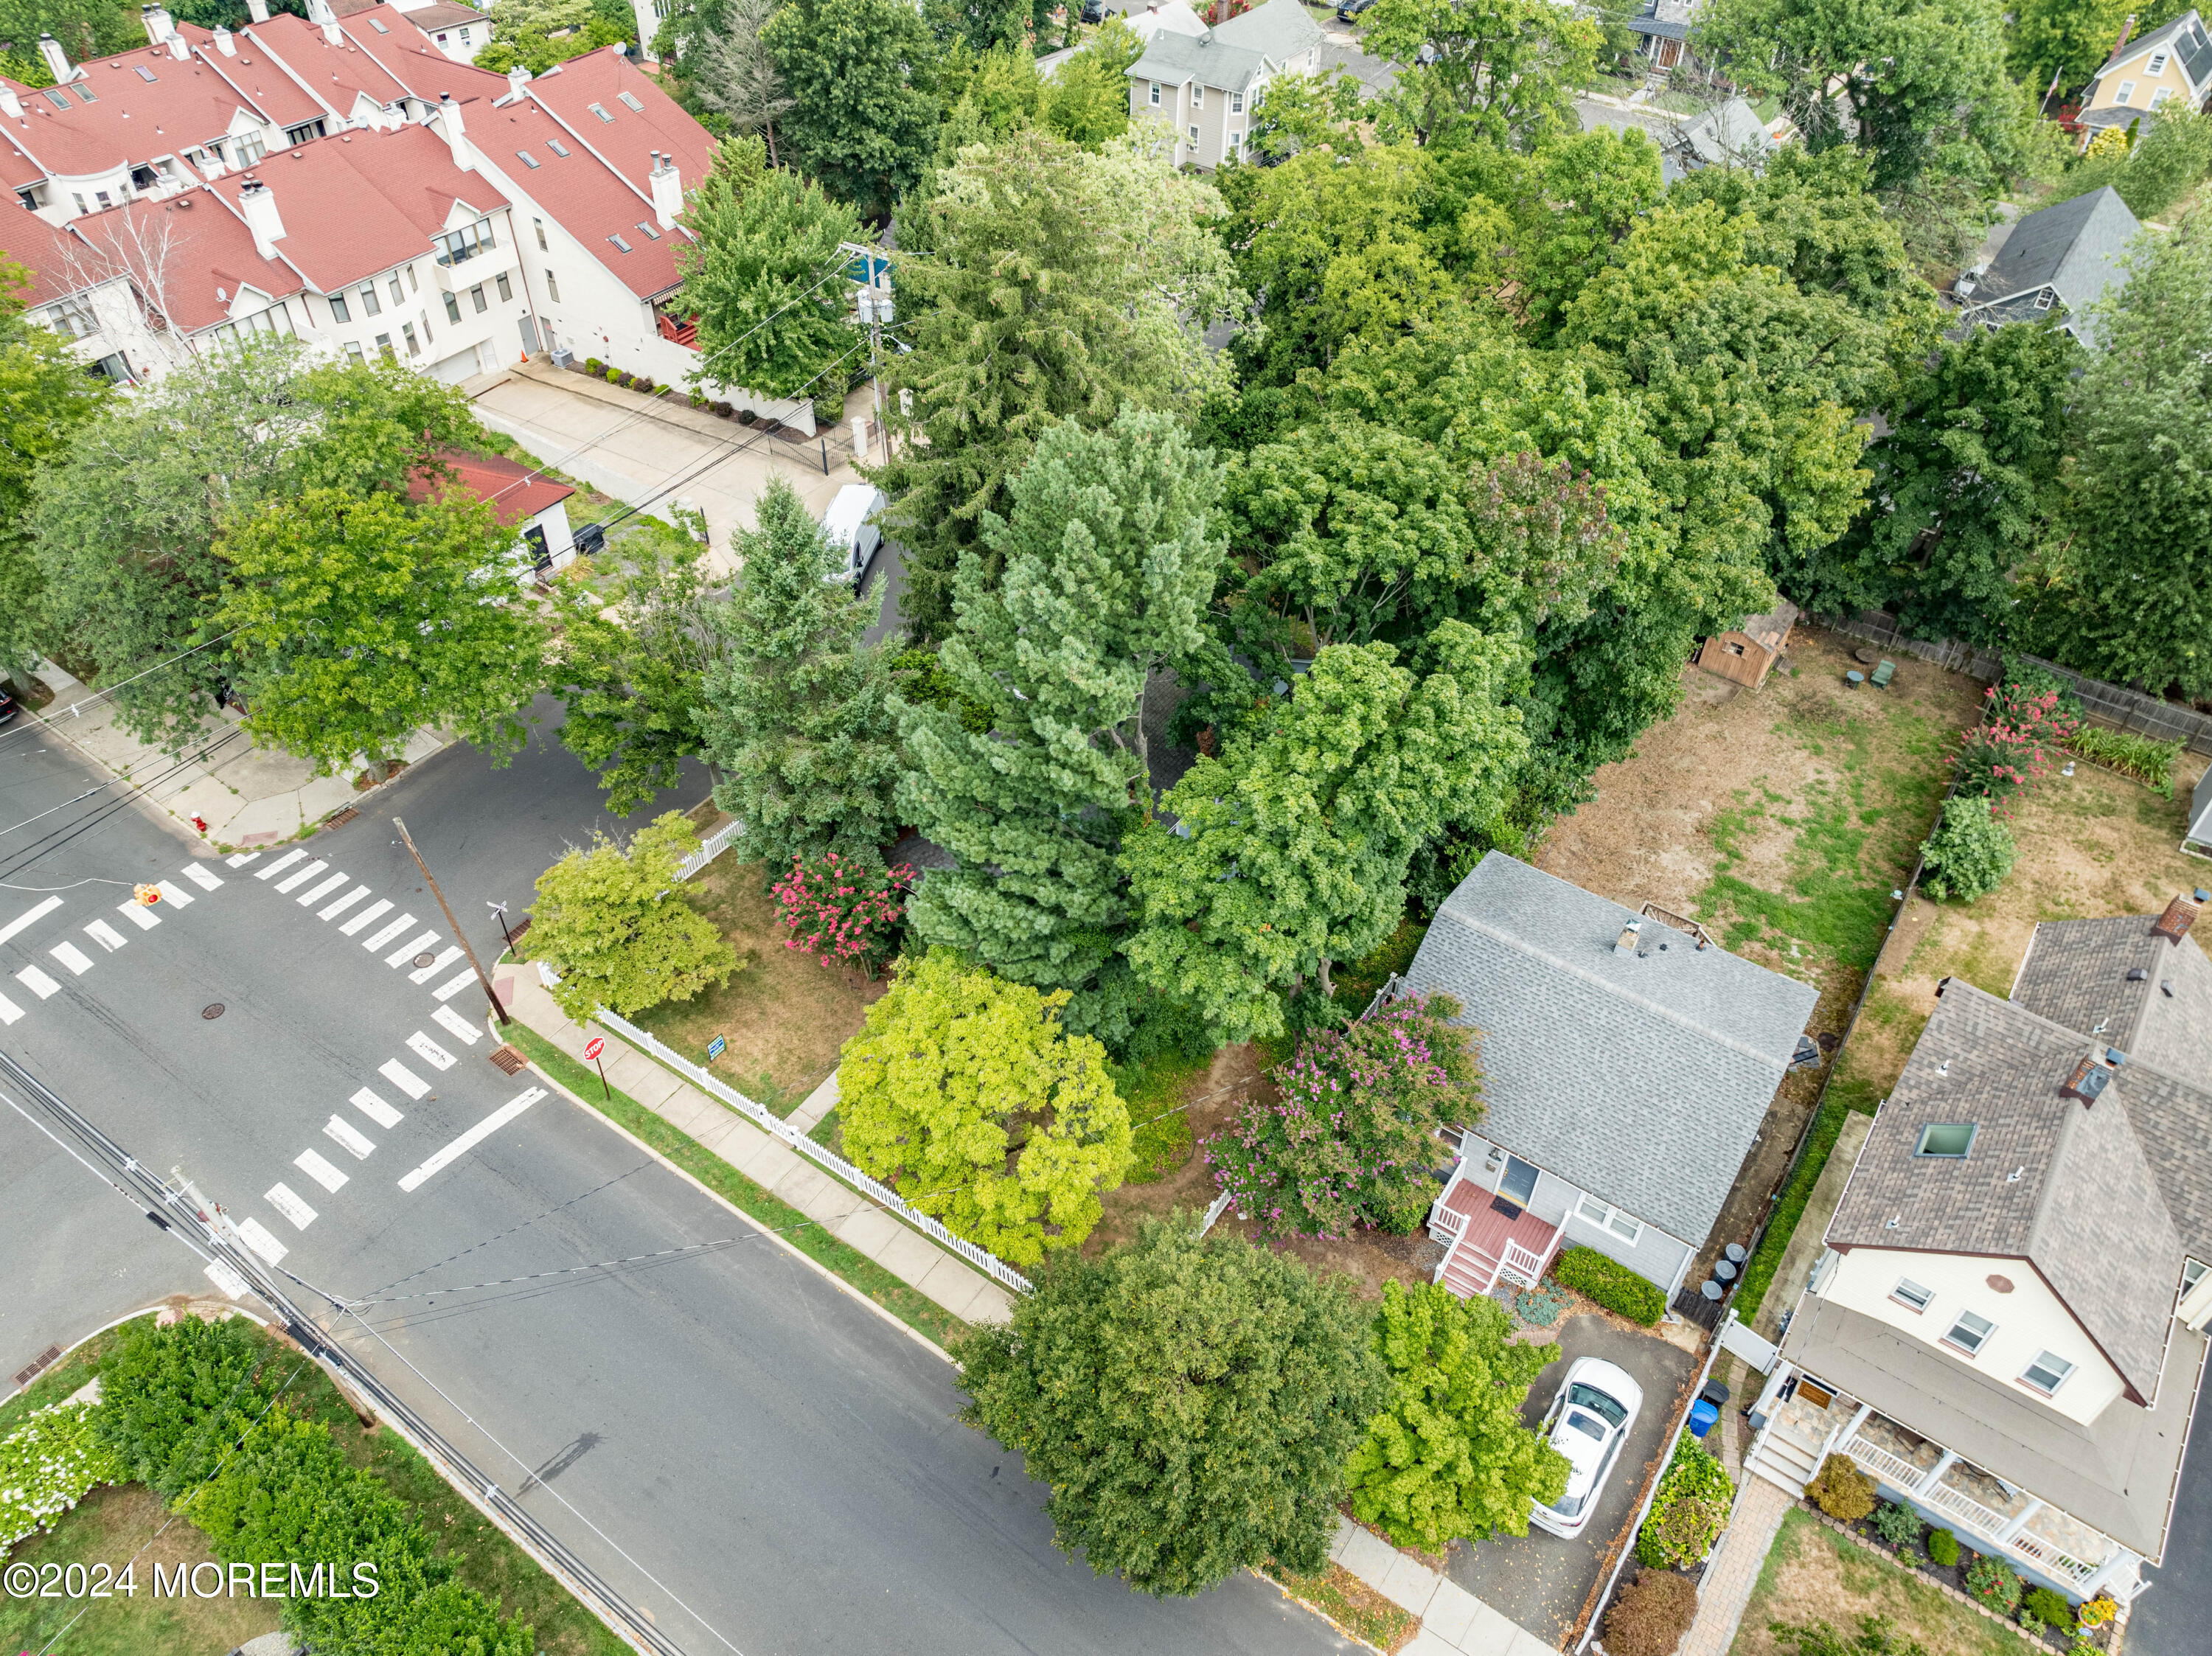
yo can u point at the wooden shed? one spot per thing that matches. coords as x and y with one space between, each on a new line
1749 652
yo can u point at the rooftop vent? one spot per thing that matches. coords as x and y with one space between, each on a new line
2166 987
2088 1081
2138 975
2180 914
1625 942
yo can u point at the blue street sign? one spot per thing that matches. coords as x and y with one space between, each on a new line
715 1048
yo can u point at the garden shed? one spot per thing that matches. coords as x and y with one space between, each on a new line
1747 654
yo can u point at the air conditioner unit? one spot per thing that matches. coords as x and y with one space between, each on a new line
562 356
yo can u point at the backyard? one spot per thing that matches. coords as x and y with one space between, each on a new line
1813 1575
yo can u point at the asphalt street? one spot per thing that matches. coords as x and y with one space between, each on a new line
751 1453
2174 1618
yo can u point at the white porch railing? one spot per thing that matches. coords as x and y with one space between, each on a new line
1520 1265
1988 1523
2049 1559
1898 1474
1962 1505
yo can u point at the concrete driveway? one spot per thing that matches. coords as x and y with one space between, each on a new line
1538 1580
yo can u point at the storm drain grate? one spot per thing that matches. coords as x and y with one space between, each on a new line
45 1359
212 1011
340 818
426 958
510 1059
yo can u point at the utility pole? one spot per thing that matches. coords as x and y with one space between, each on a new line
459 936
876 309
500 909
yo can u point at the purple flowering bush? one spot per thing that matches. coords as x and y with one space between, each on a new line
1351 1140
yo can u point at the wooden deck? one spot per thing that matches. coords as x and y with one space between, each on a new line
1480 1249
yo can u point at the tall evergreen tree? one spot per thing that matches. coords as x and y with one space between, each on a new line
1108 569
798 713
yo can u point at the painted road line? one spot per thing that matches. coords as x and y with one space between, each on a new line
242 858
139 915
384 935
232 1284
105 935
280 1197
407 951
279 865
309 899
446 1017
403 1077
36 981
447 991
256 1236
30 916
311 1163
474 1137
203 876
343 903
366 917
375 1109
71 956
446 957
342 1133
292 883
8 1012
429 1052
171 894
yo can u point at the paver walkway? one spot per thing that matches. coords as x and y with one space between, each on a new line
767 1161
1453 1620
1734 1571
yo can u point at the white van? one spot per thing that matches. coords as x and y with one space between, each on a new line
850 526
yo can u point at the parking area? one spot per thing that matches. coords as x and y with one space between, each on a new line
1538 1581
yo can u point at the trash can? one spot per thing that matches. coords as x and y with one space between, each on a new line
1703 1413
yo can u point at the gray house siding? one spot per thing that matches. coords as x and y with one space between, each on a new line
1654 1255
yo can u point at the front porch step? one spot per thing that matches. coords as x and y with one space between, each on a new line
1782 1460
1469 1272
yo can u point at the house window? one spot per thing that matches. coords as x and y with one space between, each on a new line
57 97
540 224
465 37
1193 138
398 293
2127 91
84 94
78 197
2156 66
465 243
2160 96
407 332
353 351
1947 1140
144 74
552 288
506 288
2042 299
384 347
338 312
453 307
2047 1373
476 298
1237 103
1911 1295
251 147
530 161
1156 94
1630 1230
557 147
370 303
302 132
651 234
619 243
1197 95
414 281
1970 1333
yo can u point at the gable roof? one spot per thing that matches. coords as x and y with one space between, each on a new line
2075 973
1729 134
1643 1078
132 119
2184 37
1232 55
1279 30
517 495
206 252
2074 249
580 192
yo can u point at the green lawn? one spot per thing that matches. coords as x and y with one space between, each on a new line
1813 1575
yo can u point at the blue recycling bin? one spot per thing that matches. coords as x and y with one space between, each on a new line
1703 1413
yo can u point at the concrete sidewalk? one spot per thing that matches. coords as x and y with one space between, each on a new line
844 1213
1453 1620
248 795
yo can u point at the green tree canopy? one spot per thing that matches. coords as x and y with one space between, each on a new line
1505 70
862 120
727 70
964 1092
2071 39
1239 1460
798 713
1448 1460
1087 102
616 926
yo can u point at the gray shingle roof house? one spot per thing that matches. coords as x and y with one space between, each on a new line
1626 1068
2008 1328
2056 264
1203 86
1729 134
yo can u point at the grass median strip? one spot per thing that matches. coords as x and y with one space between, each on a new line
903 1300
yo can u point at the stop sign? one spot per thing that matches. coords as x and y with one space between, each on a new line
594 1046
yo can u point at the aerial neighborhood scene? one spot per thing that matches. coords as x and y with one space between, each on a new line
1105 827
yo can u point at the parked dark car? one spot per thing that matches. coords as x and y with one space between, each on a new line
7 706
1094 11
1351 9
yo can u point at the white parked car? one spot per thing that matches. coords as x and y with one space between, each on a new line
1587 1423
850 526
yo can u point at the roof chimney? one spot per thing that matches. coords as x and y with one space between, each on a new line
56 60
2180 914
159 25
2126 29
517 78
10 105
667 190
257 10
1625 942
262 218
449 120
225 42
2090 1078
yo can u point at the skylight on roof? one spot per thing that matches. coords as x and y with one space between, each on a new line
528 159
144 74
650 231
378 26
56 96
632 102
620 243
85 92
598 112
557 147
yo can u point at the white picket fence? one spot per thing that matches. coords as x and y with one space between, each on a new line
709 848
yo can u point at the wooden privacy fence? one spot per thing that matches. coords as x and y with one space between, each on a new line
2107 704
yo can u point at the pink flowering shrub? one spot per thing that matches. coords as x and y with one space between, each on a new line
1352 1139
839 909
2023 727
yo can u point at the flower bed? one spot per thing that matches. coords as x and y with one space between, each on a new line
47 1465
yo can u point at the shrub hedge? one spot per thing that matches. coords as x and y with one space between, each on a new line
1688 1511
1841 1489
47 1465
1943 1548
1612 1285
1651 1615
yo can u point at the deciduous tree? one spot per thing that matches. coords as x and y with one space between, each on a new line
964 1091
616 926
1505 70
1087 102
861 119
1239 1460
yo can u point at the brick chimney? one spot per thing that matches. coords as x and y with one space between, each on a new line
667 190
58 63
2173 925
259 209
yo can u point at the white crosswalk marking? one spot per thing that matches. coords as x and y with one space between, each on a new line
385 934
376 1109
312 1164
446 1017
36 981
339 1131
407 951
309 899
139 915
279 865
429 1052
203 876
446 957
71 956
242 858
105 935
366 917
257 1237
447 991
29 917
293 882
171 894
343 903
475 1135
403 1077
286 1201
232 1284
8 1012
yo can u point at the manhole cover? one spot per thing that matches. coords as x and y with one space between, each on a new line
426 958
211 1013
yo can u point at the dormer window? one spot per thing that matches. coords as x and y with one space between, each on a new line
1197 95
2047 1373
1947 1141
1969 1333
2042 299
